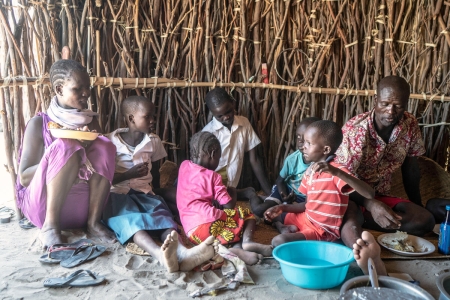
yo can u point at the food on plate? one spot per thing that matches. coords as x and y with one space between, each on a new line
399 241
54 125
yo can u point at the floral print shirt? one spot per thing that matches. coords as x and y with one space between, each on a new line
371 159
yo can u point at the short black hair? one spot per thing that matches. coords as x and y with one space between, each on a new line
308 121
399 83
131 104
203 141
330 132
217 97
62 69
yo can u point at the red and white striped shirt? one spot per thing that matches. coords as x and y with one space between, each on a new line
326 199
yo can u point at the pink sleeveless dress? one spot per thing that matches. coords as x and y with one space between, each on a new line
32 200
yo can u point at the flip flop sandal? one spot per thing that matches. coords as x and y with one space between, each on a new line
24 223
80 278
82 255
58 252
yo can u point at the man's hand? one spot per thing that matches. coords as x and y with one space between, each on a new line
288 198
273 212
383 215
138 170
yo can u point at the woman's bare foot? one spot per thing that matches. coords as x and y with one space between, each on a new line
285 228
366 247
265 250
50 236
190 258
169 257
99 231
250 258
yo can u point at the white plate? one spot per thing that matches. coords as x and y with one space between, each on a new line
74 134
417 242
437 229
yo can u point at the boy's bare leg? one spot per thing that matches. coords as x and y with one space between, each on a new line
166 254
366 247
285 228
287 237
57 190
190 258
98 192
247 240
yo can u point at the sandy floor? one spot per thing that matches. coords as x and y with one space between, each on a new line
138 277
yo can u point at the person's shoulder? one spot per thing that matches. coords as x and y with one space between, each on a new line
357 123
113 135
241 121
409 118
154 137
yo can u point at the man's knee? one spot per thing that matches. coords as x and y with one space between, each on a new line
353 215
419 220
260 209
437 208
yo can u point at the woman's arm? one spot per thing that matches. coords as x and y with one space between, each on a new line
32 151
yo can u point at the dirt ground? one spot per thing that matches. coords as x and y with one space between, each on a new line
138 277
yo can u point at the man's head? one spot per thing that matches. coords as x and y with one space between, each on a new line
205 150
322 138
301 128
139 113
221 106
391 101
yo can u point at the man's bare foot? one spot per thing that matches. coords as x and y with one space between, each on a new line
366 247
99 231
246 193
250 258
285 228
169 253
190 258
265 250
50 236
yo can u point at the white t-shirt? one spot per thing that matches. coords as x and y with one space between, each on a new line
234 143
150 149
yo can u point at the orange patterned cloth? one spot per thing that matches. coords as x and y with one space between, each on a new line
366 155
228 229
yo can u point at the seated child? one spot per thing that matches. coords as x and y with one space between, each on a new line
236 136
326 186
206 206
133 211
286 187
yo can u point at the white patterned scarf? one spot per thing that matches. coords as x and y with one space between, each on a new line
71 118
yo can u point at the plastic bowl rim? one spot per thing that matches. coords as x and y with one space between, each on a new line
347 262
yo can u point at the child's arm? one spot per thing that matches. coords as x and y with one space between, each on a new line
155 174
233 194
137 171
281 185
259 171
359 186
277 210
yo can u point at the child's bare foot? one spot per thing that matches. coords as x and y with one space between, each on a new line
265 250
169 257
250 258
50 236
285 228
366 247
190 258
99 231
246 193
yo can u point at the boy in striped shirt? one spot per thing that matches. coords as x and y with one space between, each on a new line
326 186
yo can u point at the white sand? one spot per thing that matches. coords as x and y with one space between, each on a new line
142 277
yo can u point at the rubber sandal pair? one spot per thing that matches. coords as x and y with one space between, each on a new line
80 278
72 255
24 223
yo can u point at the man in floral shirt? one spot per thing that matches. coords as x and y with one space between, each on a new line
377 143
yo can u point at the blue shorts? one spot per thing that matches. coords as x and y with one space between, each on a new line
276 196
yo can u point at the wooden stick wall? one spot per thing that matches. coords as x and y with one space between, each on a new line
312 48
